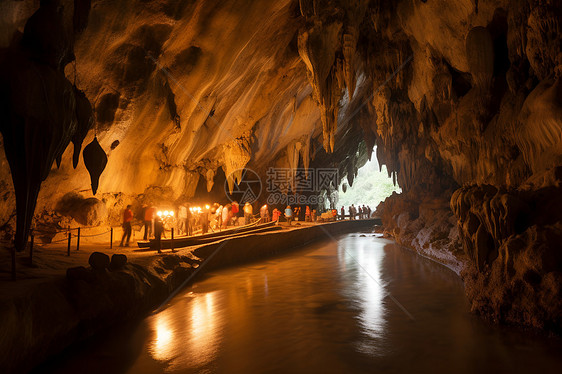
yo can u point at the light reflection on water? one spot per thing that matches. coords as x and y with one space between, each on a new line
323 309
368 291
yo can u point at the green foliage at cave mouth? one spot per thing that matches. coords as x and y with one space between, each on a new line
370 187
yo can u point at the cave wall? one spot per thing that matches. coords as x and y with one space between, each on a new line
463 100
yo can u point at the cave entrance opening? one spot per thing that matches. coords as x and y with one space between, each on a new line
371 186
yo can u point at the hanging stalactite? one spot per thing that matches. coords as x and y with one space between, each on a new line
95 160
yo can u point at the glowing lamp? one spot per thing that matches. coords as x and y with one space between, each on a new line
166 213
207 206
172 213
159 214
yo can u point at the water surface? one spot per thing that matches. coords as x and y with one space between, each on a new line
360 304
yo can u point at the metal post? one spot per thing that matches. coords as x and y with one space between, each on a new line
68 247
31 248
111 239
78 240
14 264
172 243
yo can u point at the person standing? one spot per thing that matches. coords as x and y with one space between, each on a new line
204 219
235 210
307 214
248 211
226 214
182 219
127 229
342 216
264 213
188 220
148 217
158 230
218 216
289 214
275 215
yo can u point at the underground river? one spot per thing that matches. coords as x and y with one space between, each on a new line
356 305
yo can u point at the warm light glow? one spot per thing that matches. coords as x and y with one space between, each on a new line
370 289
166 213
163 342
159 214
172 213
207 206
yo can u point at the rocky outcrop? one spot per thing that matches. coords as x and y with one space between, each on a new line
55 314
512 237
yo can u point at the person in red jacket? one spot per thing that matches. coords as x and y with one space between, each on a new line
235 210
127 218
149 213
275 215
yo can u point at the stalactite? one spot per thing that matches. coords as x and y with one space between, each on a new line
85 120
305 155
349 46
95 160
317 48
236 155
210 178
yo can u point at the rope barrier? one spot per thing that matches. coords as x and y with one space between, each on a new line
56 231
93 235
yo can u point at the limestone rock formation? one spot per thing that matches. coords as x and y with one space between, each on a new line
458 96
95 160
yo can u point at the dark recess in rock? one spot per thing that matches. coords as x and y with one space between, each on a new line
105 109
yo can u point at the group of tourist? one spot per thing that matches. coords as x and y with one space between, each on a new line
217 217
359 212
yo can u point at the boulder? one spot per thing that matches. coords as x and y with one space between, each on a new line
79 273
99 261
88 212
118 262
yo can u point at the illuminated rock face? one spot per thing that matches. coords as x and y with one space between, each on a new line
463 93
